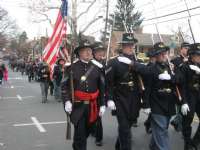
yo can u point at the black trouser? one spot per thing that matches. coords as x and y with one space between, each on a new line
148 121
51 87
81 131
1 78
187 128
98 128
30 77
124 130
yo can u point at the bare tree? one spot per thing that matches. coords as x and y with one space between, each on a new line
7 25
40 12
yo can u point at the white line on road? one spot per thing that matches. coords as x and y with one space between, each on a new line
8 97
19 97
25 97
15 78
42 123
38 125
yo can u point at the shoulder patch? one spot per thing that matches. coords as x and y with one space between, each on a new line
98 64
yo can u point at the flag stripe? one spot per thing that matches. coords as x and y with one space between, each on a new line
56 46
55 51
59 19
54 41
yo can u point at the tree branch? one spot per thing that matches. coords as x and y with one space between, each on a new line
88 8
89 24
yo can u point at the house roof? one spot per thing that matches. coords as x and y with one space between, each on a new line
145 39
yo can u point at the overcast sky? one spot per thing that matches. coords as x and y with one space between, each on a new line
24 18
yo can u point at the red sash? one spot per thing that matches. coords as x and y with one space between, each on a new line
92 97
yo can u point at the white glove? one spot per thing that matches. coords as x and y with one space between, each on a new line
185 109
147 111
164 76
111 105
124 60
102 110
68 107
195 68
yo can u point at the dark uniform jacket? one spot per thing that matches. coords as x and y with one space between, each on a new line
178 61
147 92
94 82
189 82
44 74
57 74
123 88
162 97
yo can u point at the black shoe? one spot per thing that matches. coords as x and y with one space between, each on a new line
189 147
99 143
147 128
135 125
196 141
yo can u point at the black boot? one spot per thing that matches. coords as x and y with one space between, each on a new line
189 145
117 144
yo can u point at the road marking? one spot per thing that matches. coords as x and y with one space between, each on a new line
38 125
15 78
19 97
12 87
2 144
42 123
25 97
8 97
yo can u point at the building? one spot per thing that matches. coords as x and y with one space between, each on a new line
145 42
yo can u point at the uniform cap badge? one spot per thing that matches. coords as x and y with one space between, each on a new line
83 78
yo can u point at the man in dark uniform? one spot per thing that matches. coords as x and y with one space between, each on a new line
124 91
183 56
89 84
189 77
43 78
177 62
147 92
162 96
99 55
31 71
57 78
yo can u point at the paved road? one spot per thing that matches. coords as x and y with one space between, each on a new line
27 124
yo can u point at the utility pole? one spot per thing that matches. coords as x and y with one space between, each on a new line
74 21
189 21
106 22
156 24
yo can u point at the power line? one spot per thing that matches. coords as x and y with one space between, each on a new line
171 14
180 18
165 6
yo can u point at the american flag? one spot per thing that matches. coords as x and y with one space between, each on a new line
55 47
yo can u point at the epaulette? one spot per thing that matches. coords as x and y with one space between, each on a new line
67 64
98 64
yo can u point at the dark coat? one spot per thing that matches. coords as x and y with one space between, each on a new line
44 74
57 74
189 83
127 98
94 82
161 103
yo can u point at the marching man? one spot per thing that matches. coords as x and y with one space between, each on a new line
89 84
190 86
124 91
